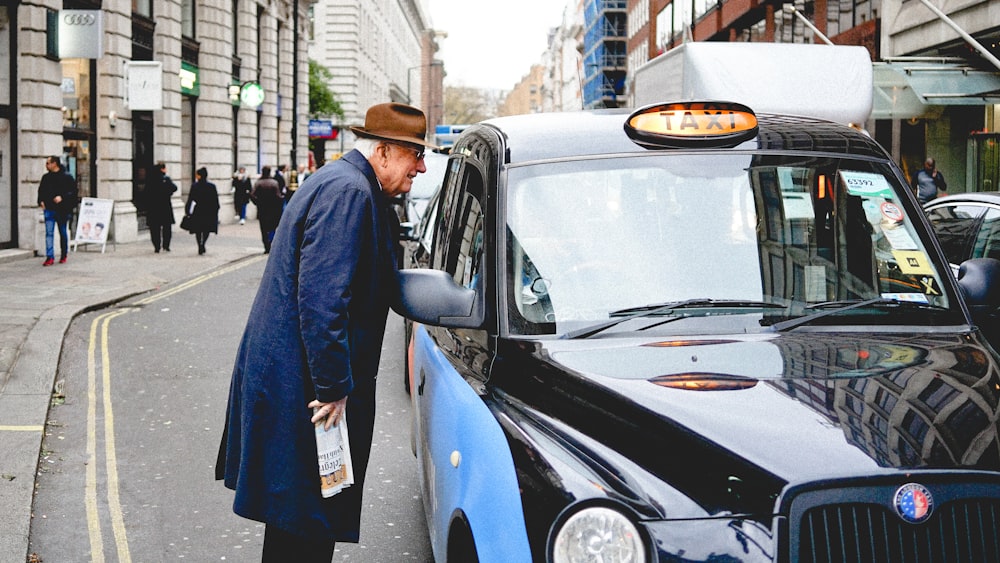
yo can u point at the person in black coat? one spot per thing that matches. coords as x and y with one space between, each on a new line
266 195
241 193
202 209
311 348
57 197
159 207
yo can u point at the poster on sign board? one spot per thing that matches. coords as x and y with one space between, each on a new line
94 221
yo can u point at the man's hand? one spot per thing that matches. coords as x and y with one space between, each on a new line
331 412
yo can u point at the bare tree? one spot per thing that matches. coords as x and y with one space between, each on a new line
464 105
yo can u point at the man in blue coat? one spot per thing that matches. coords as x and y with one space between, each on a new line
311 348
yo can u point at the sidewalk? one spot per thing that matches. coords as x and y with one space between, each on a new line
36 306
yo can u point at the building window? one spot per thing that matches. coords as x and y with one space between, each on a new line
52 34
76 94
143 7
187 18
5 51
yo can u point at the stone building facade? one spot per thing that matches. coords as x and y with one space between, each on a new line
377 52
170 80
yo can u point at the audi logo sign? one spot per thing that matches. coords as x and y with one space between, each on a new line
79 18
81 34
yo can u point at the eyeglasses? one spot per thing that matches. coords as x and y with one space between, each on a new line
418 153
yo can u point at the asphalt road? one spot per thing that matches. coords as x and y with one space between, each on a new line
129 453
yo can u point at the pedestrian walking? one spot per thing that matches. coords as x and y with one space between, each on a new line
202 209
57 197
241 194
160 208
929 182
310 350
266 195
279 175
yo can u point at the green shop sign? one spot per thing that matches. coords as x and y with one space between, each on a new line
252 94
190 80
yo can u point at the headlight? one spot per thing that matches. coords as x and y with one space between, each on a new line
598 535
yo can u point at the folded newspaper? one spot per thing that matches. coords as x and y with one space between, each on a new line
336 472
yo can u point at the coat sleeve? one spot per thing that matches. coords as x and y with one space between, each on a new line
331 250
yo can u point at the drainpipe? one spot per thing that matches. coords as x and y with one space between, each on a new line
968 38
295 90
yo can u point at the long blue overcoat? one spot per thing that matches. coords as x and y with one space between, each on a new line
315 330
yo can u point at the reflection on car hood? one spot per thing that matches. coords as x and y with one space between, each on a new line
770 410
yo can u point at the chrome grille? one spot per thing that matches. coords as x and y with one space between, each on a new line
966 530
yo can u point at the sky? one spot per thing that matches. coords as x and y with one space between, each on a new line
492 43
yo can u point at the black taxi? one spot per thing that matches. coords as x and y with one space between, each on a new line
690 332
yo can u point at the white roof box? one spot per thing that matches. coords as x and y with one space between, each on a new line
829 82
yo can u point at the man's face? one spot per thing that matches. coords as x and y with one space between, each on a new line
51 165
396 166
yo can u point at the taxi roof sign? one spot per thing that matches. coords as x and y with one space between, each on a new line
691 124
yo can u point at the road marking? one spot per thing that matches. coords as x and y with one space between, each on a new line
25 428
90 486
200 279
110 455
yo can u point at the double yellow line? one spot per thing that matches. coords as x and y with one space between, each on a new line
110 456
99 338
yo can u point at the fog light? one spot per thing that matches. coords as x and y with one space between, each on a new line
599 535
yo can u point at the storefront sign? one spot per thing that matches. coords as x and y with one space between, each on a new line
322 129
81 34
190 79
94 222
252 95
145 85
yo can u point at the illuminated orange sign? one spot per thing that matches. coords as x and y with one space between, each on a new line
691 123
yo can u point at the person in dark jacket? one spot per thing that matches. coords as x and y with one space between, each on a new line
266 195
57 197
159 207
241 194
202 208
310 351
929 182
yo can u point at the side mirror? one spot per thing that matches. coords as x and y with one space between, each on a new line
432 297
979 280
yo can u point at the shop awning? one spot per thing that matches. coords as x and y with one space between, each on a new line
904 88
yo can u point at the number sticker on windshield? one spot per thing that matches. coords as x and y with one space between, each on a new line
866 184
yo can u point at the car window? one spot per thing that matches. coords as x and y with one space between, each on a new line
459 237
955 227
587 238
987 243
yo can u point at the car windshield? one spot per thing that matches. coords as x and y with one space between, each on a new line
744 240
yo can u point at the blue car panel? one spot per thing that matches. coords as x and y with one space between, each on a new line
465 460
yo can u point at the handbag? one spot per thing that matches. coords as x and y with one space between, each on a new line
186 223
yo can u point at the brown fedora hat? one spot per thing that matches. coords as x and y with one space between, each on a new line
395 122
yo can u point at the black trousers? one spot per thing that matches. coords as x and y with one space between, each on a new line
160 234
202 238
283 547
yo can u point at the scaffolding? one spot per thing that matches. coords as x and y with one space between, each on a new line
605 53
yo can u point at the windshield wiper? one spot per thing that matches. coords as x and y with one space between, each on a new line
624 315
842 306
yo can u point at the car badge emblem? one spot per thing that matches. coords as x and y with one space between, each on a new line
913 503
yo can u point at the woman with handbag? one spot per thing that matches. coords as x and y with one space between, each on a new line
201 213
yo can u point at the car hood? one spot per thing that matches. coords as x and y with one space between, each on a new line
769 410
